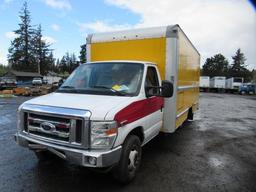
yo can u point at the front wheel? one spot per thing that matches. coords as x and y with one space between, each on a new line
130 160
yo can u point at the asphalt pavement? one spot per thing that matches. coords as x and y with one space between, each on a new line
215 152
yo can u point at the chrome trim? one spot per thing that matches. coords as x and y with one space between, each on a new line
46 139
186 87
53 132
36 146
57 111
182 113
49 121
67 113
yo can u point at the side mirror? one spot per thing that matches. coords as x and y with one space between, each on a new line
167 89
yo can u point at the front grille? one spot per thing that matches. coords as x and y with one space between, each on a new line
53 127
49 136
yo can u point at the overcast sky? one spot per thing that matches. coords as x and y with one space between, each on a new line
214 26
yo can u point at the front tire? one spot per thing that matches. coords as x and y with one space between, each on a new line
130 160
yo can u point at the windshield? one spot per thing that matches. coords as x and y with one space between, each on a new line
122 79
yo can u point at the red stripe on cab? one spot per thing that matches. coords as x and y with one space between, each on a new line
138 110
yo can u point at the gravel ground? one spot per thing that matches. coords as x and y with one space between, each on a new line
215 152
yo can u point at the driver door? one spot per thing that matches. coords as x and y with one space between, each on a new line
154 104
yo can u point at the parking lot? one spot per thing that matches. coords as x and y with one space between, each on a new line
215 152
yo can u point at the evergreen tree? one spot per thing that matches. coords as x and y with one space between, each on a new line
68 63
74 63
42 52
82 56
238 60
216 66
238 67
28 51
20 55
63 64
238 63
3 69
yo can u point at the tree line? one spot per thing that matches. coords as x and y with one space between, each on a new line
30 52
218 65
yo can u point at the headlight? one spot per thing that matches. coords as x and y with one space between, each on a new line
103 134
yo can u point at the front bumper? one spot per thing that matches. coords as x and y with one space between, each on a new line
77 156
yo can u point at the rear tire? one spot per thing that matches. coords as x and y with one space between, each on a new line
130 160
190 114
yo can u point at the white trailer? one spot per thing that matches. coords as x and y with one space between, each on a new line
218 82
51 79
234 83
204 83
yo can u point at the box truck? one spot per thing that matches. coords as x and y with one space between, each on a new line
233 84
136 84
204 83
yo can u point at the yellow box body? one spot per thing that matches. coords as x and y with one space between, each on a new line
142 50
188 74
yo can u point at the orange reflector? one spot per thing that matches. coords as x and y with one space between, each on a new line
111 131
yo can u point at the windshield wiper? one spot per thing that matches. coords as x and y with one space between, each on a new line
67 87
111 89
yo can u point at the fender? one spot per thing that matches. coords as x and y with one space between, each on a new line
136 115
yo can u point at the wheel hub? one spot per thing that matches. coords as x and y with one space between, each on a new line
132 159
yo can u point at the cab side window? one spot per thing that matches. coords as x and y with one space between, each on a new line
152 80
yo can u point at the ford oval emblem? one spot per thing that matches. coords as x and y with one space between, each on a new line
47 126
